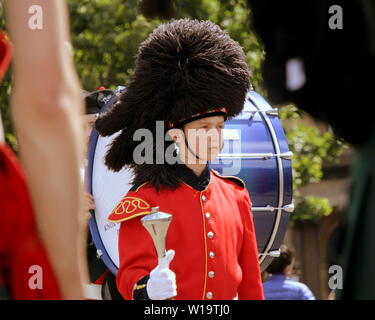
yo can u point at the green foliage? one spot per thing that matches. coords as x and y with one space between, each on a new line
106 35
310 148
311 209
5 90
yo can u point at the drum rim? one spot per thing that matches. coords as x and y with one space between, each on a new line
253 97
93 224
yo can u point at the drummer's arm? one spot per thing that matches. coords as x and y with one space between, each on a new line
137 259
46 109
251 286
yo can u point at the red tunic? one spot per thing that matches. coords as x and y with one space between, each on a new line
20 245
212 233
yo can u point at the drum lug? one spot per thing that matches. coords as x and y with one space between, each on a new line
289 207
119 89
266 208
287 155
264 156
273 112
274 253
99 253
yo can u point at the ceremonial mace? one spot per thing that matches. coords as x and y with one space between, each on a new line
157 224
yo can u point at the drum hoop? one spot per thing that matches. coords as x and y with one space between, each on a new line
253 98
93 225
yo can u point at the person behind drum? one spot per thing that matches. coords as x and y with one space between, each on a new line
278 286
94 101
189 75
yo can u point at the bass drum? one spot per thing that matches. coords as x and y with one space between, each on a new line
255 150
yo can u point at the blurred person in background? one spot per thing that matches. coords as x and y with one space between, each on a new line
44 229
279 286
320 55
94 101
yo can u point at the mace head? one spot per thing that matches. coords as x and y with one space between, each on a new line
157 224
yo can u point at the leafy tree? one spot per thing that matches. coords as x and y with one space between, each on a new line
106 35
310 148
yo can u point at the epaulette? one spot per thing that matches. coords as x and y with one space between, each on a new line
129 207
235 179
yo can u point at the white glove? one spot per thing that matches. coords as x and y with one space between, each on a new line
162 282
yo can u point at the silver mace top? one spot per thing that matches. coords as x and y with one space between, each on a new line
157 224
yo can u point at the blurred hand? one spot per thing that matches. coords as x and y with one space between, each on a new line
90 204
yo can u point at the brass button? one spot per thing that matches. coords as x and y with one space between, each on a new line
210 234
208 215
212 254
211 274
209 295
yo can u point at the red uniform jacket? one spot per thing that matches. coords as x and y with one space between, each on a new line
211 231
20 245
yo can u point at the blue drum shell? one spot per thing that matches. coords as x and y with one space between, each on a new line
262 159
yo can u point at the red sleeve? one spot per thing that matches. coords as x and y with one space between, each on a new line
136 250
137 256
251 286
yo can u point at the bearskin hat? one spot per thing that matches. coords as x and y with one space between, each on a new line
184 68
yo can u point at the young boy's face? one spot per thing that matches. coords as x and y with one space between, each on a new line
205 137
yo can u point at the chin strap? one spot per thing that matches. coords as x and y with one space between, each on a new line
191 151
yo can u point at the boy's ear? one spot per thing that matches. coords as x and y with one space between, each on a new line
176 134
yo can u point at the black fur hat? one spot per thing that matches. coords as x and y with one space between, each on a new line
184 68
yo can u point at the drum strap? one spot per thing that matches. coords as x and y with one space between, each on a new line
191 151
